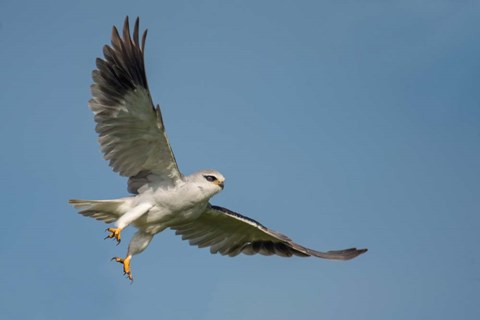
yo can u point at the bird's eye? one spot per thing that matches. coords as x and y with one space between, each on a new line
210 178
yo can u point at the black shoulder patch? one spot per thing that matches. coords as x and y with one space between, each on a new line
237 215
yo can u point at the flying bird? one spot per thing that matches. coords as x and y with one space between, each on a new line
133 139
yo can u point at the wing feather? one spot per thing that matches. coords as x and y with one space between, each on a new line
230 233
131 131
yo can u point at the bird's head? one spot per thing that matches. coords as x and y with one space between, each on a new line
210 181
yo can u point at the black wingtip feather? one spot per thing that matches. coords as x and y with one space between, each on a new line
144 37
346 254
126 29
135 31
123 68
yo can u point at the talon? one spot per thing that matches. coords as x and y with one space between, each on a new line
126 266
115 233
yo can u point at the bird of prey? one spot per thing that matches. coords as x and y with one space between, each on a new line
133 139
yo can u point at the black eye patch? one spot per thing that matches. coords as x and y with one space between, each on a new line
210 178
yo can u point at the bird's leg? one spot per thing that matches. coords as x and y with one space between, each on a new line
127 218
139 242
115 233
126 265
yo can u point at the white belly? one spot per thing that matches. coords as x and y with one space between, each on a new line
170 206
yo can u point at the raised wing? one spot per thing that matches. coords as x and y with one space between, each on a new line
229 233
131 131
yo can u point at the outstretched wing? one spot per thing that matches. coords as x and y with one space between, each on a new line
131 130
229 233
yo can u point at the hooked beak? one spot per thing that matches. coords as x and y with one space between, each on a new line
220 184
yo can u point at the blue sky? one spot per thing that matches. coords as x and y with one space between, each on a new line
338 123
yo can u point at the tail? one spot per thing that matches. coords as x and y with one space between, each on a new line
105 210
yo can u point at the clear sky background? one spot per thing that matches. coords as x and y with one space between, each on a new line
338 123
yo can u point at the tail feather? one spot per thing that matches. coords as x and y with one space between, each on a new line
105 210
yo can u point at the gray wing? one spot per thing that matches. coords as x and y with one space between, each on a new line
229 233
131 131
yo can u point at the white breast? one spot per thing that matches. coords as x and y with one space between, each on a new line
172 204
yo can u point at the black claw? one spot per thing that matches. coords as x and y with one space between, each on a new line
111 236
117 259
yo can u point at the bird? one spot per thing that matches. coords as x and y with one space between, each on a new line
133 139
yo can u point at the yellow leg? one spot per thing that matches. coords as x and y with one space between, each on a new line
115 233
126 266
